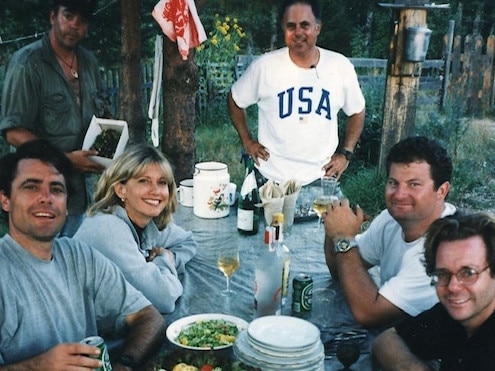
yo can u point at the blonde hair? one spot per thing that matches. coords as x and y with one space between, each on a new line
131 164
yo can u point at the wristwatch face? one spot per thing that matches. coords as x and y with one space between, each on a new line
345 245
348 154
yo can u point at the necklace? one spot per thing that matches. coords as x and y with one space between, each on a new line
72 70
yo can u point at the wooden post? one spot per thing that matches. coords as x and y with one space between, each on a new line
402 75
448 60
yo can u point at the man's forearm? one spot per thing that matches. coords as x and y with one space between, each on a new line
330 258
353 130
146 332
238 117
358 287
368 307
393 354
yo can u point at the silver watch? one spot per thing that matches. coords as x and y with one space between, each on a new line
345 245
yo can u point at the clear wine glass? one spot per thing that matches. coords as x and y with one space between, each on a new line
320 204
228 262
324 196
316 193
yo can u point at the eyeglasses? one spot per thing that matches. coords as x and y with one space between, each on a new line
465 276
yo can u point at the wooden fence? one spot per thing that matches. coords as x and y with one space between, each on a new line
470 76
471 73
111 80
214 85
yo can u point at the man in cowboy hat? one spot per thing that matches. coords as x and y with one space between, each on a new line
52 90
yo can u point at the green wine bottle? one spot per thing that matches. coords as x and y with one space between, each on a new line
248 209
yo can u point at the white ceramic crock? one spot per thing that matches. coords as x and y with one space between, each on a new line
211 194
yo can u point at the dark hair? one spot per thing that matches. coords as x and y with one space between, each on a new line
314 4
422 149
86 8
38 149
459 227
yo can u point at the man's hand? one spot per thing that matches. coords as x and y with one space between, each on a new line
70 356
336 166
256 150
341 221
82 163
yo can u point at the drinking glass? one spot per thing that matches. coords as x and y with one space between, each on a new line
228 262
324 196
329 185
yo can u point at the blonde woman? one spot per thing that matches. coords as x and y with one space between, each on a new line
131 223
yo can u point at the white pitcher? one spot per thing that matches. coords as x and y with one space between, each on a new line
212 190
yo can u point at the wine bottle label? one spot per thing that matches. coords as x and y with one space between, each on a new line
245 219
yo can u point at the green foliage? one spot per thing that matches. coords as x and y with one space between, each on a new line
368 149
256 16
223 43
216 60
217 140
473 186
365 187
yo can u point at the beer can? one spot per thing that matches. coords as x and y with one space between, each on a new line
302 299
98 341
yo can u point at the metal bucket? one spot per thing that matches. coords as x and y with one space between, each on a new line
416 43
210 187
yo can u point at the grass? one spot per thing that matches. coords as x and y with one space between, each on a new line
217 140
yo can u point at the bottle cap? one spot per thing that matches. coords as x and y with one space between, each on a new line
277 218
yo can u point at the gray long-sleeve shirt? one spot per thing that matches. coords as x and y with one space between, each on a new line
115 237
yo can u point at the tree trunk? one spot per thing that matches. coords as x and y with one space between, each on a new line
180 84
130 92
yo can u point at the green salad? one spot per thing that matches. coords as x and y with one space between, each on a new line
208 334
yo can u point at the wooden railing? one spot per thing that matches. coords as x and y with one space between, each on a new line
367 69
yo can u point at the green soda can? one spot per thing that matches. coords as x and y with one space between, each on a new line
302 300
98 341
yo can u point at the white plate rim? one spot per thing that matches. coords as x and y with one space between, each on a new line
174 329
258 331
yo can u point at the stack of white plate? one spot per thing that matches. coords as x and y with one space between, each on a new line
280 343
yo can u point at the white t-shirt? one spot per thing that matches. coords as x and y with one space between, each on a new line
403 277
297 110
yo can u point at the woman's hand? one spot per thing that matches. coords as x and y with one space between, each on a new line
155 251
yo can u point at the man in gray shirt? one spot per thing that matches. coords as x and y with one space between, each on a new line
54 292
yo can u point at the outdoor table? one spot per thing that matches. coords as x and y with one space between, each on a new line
203 281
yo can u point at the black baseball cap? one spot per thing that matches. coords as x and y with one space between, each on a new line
86 8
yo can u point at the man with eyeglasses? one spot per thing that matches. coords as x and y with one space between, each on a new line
459 331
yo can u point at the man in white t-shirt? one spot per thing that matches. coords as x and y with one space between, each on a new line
299 90
419 172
